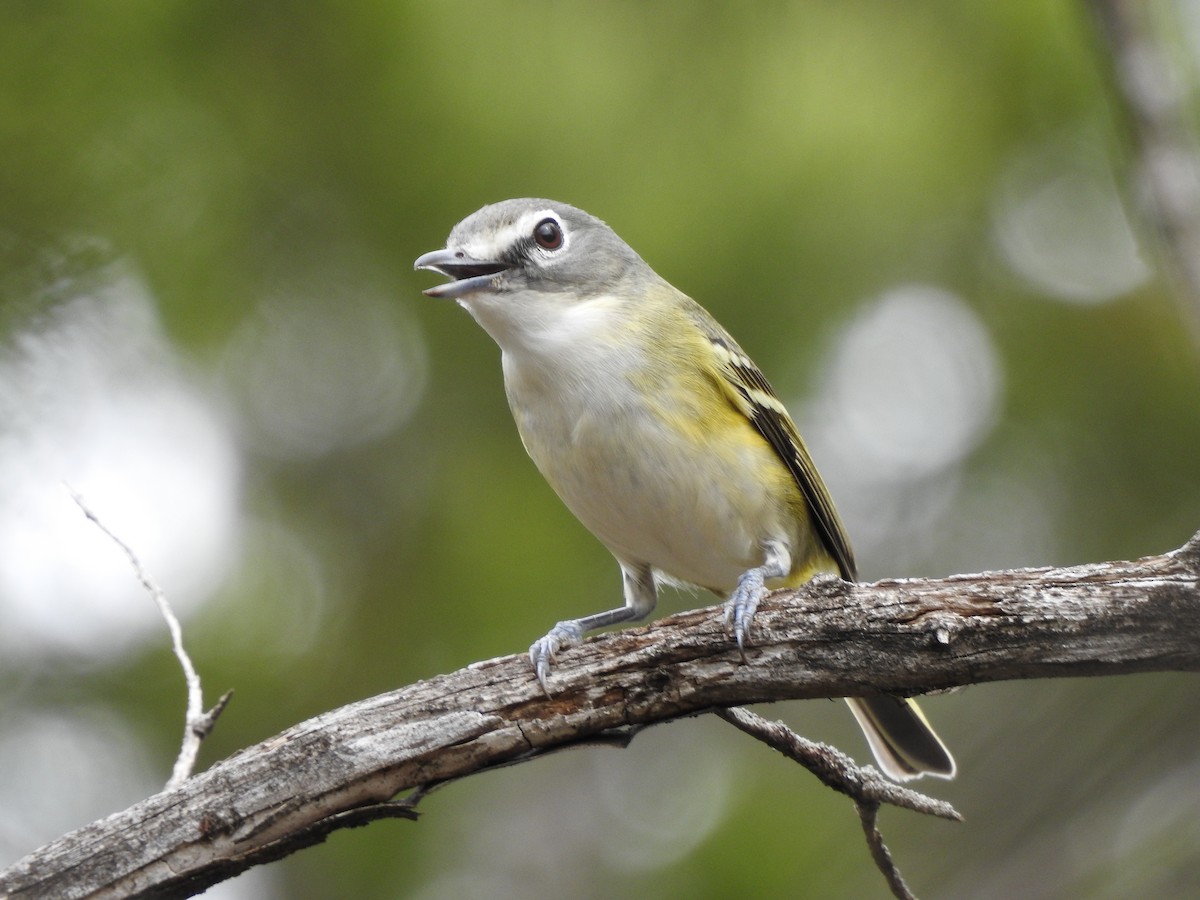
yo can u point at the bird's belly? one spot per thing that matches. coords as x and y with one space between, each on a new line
696 510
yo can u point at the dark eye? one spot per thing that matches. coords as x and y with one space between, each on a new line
548 234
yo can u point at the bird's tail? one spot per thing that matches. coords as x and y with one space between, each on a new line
904 744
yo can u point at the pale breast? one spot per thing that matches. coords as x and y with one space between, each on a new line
692 505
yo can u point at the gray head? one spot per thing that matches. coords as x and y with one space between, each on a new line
518 246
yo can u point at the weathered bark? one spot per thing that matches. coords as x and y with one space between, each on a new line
830 639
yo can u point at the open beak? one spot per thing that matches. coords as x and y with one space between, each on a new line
468 274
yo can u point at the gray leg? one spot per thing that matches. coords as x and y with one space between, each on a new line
640 597
751 588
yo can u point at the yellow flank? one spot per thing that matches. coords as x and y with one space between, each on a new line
686 385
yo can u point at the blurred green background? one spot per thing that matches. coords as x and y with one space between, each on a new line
910 214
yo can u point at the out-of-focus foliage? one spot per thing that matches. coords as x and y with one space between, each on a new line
910 214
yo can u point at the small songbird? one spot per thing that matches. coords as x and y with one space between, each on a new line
657 431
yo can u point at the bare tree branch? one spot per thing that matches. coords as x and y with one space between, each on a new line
830 639
197 722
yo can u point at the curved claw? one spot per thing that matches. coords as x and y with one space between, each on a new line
741 606
544 649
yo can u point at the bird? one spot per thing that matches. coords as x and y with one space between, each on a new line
658 432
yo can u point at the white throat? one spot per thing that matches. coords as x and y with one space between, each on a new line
551 326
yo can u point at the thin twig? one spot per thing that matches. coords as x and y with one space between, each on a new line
868 814
203 726
197 722
864 784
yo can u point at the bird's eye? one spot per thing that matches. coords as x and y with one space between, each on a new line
548 234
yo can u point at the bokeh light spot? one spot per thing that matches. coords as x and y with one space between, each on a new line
913 385
1060 224
315 373
92 397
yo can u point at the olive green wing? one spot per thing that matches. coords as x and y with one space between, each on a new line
749 390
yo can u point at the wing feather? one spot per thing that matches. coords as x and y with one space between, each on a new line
751 393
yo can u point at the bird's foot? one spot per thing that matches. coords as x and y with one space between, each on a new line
741 606
544 649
